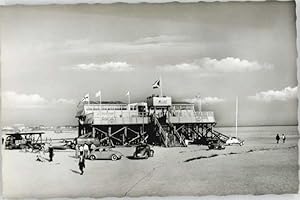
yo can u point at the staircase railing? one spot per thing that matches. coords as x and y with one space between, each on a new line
221 136
181 140
161 131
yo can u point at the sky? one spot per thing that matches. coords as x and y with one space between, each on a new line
52 56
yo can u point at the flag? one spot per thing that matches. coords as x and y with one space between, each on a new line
86 98
128 93
156 84
98 94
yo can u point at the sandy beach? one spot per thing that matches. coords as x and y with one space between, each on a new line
259 167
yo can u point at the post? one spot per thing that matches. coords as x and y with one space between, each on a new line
160 80
125 134
123 137
100 99
109 135
236 114
128 94
93 131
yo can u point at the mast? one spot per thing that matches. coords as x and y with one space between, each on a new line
236 114
160 80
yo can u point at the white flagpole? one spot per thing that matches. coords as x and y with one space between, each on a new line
160 81
236 114
100 99
129 98
198 97
128 93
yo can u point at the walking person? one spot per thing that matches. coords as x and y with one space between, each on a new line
81 164
277 138
283 138
80 150
86 150
51 153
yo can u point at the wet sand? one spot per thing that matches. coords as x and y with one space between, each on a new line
259 167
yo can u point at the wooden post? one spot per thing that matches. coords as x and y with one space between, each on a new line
93 132
109 135
125 134
166 142
141 132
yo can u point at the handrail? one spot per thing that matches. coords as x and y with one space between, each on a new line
175 131
163 131
221 134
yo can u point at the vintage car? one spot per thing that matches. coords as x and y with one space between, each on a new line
234 140
215 144
143 151
105 154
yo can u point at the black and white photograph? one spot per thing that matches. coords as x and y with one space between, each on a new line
149 99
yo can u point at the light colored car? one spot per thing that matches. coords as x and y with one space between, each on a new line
234 140
105 154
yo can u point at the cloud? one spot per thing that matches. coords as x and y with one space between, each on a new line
181 67
206 100
11 99
160 39
107 66
276 95
224 65
64 101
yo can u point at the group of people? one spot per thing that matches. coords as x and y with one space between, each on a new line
282 137
84 152
47 147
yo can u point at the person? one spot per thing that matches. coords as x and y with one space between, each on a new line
277 138
283 138
51 153
86 150
93 147
80 150
81 164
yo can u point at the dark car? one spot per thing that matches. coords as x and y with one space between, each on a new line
143 151
215 144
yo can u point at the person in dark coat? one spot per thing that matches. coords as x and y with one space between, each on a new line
51 153
277 138
81 164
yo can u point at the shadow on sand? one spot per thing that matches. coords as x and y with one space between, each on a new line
75 171
133 158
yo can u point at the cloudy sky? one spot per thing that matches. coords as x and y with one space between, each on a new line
53 55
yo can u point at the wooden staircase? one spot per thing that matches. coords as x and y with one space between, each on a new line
168 134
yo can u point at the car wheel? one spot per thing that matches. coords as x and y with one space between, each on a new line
147 155
92 157
114 157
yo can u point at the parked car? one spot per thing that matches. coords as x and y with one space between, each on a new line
143 151
215 144
234 140
105 154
